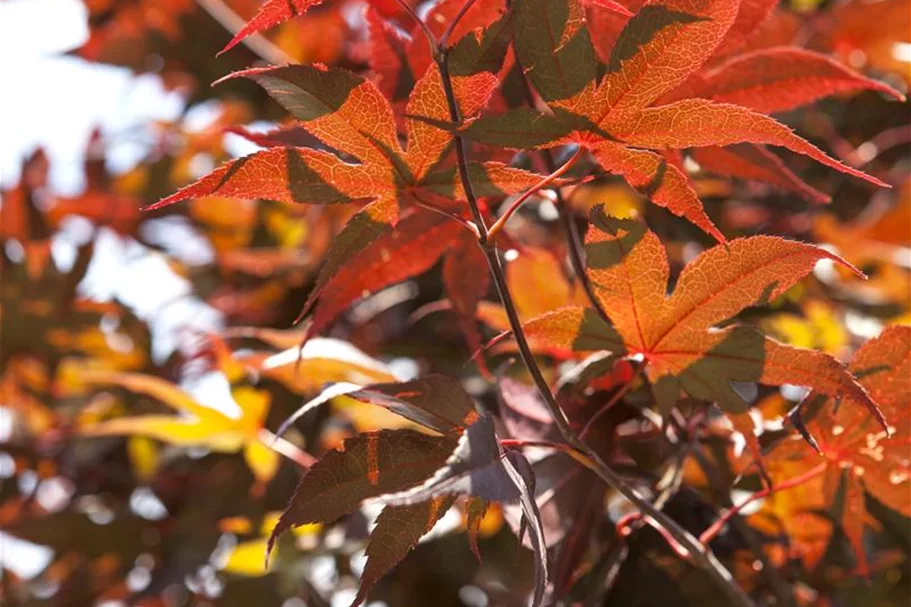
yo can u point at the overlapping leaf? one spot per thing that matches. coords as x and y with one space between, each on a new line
675 333
352 116
414 473
659 49
857 455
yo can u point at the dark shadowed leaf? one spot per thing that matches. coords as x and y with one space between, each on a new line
397 531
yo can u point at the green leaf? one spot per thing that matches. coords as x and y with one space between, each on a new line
518 128
554 48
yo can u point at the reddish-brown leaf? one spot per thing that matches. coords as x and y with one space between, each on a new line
850 441
467 282
398 530
437 402
367 466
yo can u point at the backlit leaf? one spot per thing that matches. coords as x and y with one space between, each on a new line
747 161
857 452
628 268
783 78
368 465
397 531
270 14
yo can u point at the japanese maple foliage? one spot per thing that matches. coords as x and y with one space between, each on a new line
672 78
454 157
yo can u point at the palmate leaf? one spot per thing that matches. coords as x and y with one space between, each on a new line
415 474
398 529
656 59
675 334
350 115
783 78
857 455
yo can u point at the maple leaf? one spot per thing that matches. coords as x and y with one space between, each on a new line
780 79
675 334
270 14
397 531
398 60
659 48
855 455
412 469
351 115
746 161
479 467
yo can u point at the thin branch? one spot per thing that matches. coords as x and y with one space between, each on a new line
233 23
431 39
614 399
543 183
782 590
709 534
574 242
444 39
699 555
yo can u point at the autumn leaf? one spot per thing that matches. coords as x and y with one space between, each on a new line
660 47
350 115
369 465
783 78
856 455
198 424
411 469
476 511
270 14
676 334
398 60
746 161
479 467
397 531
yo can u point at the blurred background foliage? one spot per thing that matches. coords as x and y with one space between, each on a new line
137 401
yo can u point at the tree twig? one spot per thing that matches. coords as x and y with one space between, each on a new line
709 534
782 590
543 183
697 552
444 39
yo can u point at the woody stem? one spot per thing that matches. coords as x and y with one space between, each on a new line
698 553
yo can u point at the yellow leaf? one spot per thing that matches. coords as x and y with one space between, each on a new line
144 458
248 559
262 460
